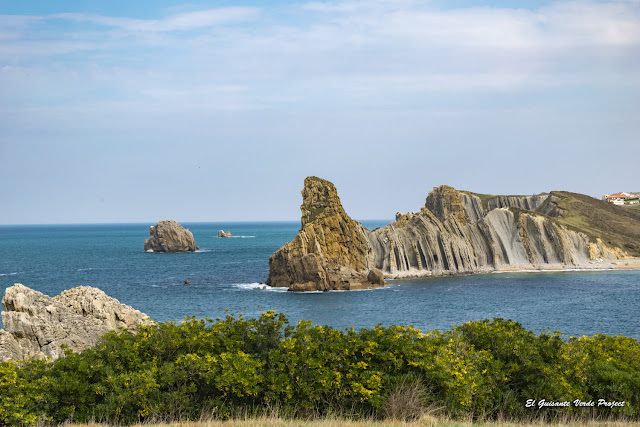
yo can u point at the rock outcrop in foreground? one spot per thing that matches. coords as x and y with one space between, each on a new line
37 325
169 236
456 232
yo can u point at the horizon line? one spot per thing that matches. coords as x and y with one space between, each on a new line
180 222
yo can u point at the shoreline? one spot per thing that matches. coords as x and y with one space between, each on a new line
623 264
627 264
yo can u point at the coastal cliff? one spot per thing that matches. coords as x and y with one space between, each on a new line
455 232
37 325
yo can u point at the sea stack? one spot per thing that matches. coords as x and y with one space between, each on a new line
37 325
169 236
223 233
331 251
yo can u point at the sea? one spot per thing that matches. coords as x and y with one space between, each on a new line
227 275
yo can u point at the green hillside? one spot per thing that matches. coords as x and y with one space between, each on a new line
615 225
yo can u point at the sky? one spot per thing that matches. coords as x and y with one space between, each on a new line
127 111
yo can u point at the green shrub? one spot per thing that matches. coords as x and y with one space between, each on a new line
612 371
478 370
22 392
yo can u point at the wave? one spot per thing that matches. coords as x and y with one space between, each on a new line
263 287
8 274
202 250
242 237
342 290
259 286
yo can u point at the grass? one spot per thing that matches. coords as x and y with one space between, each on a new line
615 225
426 420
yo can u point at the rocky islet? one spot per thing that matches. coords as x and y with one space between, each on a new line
169 236
331 251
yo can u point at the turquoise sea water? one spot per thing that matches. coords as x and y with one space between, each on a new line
226 274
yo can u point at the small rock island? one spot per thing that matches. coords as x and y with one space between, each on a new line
169 236
223 233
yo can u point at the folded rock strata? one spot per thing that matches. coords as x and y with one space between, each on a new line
456 232
37 325
169 236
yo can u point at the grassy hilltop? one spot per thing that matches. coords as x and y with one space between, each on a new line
615 225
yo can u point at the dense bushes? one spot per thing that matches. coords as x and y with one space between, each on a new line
483 370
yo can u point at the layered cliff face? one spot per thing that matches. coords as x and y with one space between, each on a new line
459 232
454 233
444 202
331 251
37 325
169 236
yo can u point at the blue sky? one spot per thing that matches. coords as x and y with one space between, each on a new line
216 111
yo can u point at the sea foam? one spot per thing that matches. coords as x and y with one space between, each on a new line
259 286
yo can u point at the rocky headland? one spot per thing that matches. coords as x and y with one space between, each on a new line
455 232
37 326
169 236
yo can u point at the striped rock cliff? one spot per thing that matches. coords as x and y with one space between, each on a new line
456 232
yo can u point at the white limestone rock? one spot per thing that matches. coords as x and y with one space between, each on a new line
37 325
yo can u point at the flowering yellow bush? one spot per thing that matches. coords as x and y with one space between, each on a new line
482 370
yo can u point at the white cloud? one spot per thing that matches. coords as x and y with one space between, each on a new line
177 22
375 52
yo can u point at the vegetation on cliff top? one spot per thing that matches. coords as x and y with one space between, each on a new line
478 370
614 225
